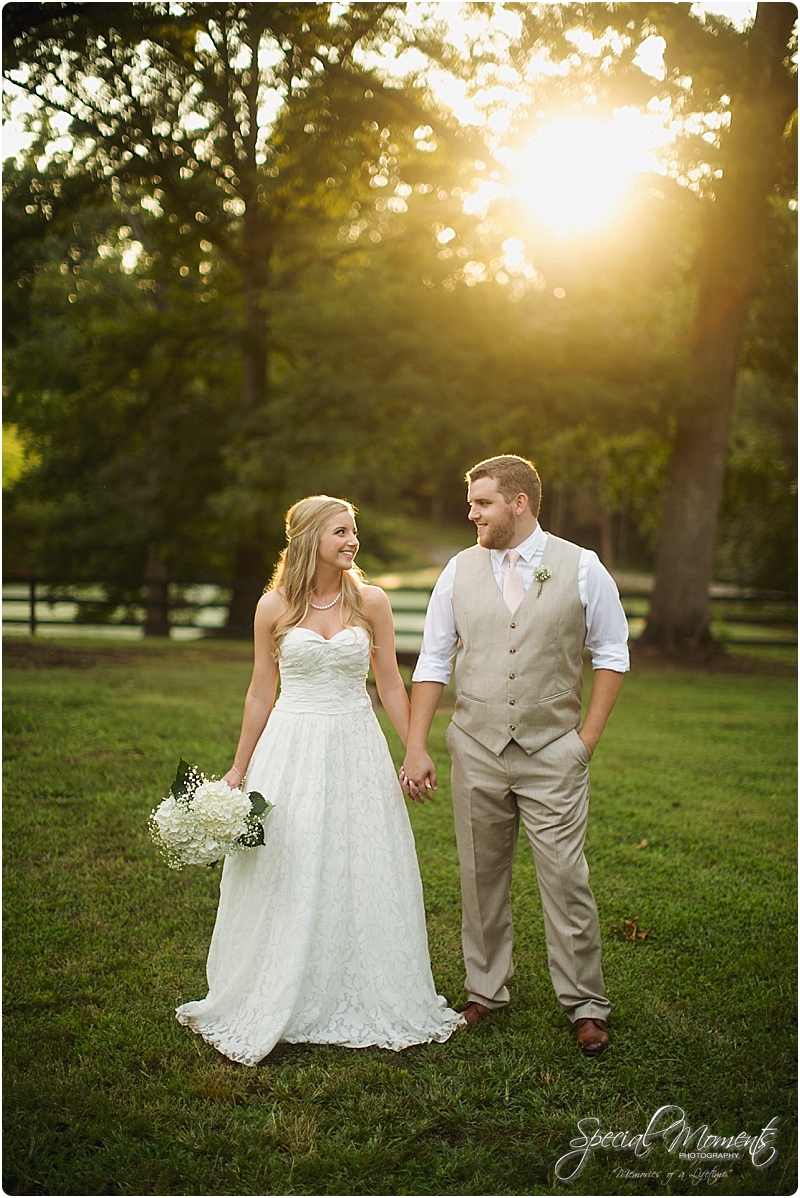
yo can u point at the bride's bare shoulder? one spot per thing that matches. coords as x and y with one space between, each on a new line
373 598
270 606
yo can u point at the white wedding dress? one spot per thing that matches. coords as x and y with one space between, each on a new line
320 933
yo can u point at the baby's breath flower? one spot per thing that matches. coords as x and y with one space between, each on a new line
541 574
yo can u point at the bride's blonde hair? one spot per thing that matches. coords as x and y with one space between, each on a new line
294 573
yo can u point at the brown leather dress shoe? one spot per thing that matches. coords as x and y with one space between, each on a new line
474 1012
592 1036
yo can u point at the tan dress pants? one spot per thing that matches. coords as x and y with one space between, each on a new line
549 791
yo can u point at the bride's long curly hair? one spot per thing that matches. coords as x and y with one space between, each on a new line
294 573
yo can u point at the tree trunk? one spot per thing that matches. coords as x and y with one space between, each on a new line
558 511
624 522
248 586
255 346
606 537
679 613
726 270
250 564
156 610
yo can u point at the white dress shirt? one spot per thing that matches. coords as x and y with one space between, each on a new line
606 625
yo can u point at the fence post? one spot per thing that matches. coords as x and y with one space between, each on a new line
157 615
32 605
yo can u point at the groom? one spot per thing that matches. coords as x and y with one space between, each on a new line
517 609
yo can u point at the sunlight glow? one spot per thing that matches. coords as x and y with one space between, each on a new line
573 174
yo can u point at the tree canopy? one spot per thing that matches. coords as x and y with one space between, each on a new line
267 268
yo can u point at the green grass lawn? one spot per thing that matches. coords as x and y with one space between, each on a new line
692 834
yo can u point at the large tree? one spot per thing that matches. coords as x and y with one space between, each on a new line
733 92
256 126
752 70
757 543
120 381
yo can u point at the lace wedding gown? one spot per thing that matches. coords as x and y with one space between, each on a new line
320 932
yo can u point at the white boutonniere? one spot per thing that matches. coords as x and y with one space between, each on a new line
541 574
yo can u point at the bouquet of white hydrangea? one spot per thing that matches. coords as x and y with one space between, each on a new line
203 819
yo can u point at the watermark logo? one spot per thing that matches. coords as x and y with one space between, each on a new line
668 1126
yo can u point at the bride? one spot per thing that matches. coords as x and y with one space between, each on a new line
320 933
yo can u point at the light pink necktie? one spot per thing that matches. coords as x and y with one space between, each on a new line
513 590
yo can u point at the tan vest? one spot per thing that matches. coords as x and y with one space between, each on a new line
519 676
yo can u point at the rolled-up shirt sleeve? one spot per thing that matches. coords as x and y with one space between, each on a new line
440 638
606 622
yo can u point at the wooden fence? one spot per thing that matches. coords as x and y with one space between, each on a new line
744 617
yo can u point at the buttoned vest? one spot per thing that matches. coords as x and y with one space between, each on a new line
519 675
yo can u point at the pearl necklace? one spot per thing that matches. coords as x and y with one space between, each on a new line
325 606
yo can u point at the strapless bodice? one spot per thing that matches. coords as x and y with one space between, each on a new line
326 676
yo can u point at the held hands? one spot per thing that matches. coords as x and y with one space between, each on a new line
418 777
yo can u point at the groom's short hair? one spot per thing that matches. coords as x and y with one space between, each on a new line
514 476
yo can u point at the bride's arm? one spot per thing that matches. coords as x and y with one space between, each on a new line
390 685
261 692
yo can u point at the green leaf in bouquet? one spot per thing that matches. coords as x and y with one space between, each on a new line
258 803
179 786
259 807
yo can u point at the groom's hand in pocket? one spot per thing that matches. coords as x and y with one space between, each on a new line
418 776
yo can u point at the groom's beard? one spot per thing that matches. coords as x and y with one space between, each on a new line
498 535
